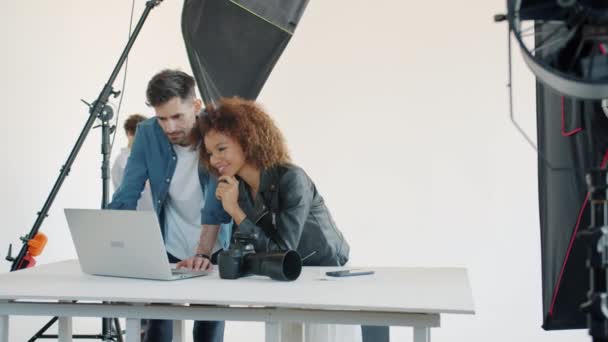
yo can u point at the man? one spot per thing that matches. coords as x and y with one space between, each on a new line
164 154
118 168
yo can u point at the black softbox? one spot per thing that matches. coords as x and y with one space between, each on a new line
563 209
233 45
572 139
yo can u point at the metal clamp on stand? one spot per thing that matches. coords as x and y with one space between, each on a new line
596 239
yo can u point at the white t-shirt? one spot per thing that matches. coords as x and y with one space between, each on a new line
117 172
183 206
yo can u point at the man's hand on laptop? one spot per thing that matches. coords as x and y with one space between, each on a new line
196 263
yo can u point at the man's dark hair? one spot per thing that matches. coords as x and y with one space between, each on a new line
168 84
130 125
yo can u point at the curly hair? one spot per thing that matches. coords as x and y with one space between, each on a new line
251 127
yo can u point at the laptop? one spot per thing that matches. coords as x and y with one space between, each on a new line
122 243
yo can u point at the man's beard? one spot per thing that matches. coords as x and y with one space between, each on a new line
179 139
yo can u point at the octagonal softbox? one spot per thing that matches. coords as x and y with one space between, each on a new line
233 45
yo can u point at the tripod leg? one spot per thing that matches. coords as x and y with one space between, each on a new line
118 332
43 329
106 329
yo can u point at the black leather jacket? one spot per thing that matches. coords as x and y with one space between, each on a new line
288 201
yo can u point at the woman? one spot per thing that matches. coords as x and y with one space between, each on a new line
258 186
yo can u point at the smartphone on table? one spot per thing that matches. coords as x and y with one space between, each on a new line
349 273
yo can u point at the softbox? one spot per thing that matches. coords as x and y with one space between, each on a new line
233 45
572 139
563 209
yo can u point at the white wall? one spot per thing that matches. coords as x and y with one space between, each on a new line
397 109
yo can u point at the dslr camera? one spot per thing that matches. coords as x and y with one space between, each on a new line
241 260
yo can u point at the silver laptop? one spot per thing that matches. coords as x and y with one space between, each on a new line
122 243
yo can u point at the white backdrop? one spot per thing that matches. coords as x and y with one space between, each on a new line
398 110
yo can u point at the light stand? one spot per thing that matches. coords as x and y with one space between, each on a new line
570 57
596 238
99 109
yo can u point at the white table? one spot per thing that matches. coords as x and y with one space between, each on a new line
413 297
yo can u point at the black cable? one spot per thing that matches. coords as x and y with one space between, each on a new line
124 79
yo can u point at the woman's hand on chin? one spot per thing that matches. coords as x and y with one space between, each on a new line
228 192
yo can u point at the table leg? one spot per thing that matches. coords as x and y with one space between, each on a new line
64 329
179 331
133 330
317 332
273 332
284 332
422 334
3 328
292 331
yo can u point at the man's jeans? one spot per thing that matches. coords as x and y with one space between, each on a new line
370 333
204 331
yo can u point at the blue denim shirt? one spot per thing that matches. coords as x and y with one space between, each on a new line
153 158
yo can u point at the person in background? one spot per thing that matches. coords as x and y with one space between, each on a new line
118 168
